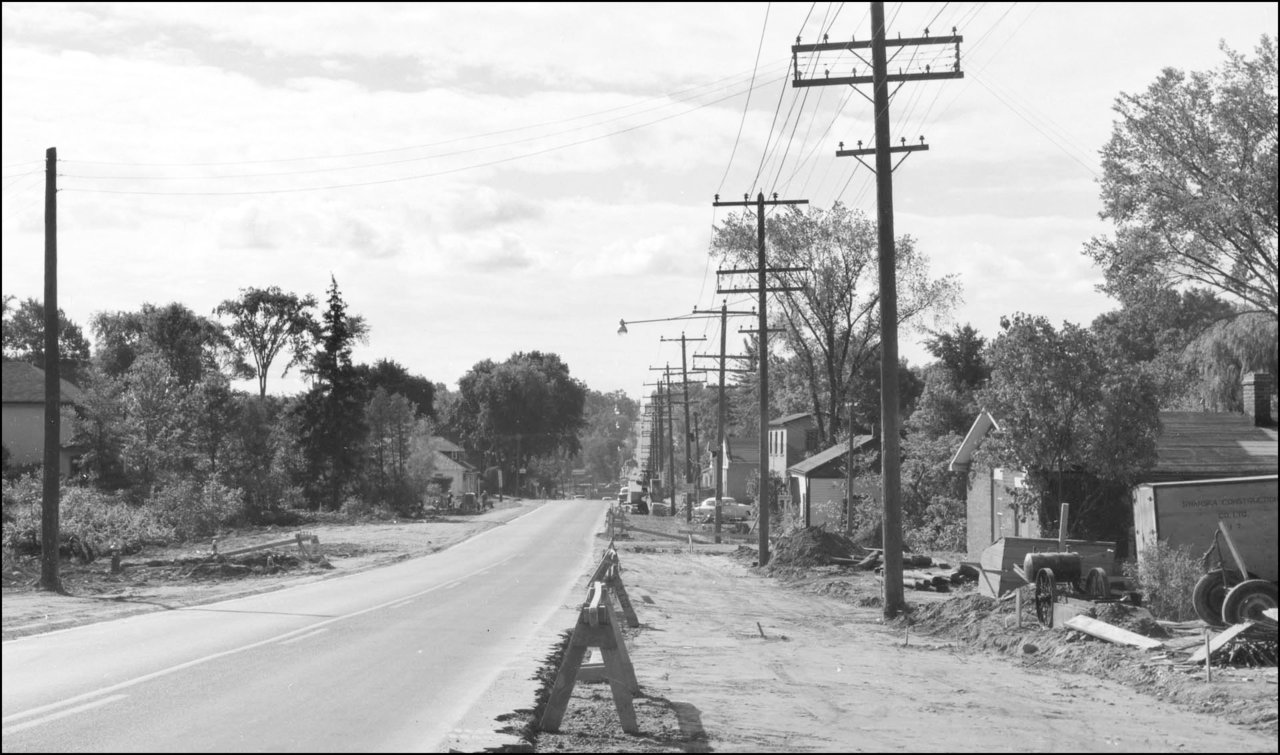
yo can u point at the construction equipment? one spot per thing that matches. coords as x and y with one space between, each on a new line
1228 595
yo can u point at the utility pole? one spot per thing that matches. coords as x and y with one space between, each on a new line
720 404
762 289
894 601
684 385
49 577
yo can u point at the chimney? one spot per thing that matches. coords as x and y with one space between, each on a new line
1256 391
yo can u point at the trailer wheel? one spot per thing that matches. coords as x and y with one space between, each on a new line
1210 592
1247 600
1046 596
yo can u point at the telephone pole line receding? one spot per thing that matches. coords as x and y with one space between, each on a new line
720 408
762 289
684 385
894 601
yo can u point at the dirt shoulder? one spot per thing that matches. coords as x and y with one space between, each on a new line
168 578
730 659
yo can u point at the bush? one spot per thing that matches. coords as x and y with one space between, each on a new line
1166 577
941 527
99 519
196 510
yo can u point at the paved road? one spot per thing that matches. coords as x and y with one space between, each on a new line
416 656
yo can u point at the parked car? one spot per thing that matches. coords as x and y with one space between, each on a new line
729 509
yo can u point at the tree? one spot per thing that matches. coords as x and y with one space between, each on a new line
156 427
189 344
391 419
605 439
24 334
1082 426
394 378
332 424
833 324
526 407
265 322
1189 177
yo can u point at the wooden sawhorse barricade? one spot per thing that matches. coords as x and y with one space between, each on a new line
599 627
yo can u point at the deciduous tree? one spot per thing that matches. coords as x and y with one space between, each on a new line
266 322
1189 178
833 323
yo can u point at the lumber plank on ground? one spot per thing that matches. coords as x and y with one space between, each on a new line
1110 633
1219 641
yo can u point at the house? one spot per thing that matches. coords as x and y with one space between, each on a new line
23 416
740 465
791 438
1190 446
822 478
989 507
451 465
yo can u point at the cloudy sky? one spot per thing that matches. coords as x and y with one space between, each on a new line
483 179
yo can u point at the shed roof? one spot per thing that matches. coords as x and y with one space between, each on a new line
790 418
1219 444
23 383
838 451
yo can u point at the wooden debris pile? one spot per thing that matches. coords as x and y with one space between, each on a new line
921 572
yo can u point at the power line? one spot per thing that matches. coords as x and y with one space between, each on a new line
747 104
423 175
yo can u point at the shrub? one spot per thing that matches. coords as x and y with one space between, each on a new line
941 527
196 510
1166 576
99 519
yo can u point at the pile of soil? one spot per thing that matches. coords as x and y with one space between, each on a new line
811 546
964 616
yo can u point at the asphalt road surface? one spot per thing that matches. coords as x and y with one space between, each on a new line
419 656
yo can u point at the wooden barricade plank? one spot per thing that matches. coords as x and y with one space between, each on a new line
597 627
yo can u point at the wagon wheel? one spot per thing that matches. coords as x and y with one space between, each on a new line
1098 584
1046 595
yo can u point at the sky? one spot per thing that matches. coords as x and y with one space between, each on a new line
485 179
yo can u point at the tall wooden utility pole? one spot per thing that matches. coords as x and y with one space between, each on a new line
49 577
894 602
720 404
684 384
761 270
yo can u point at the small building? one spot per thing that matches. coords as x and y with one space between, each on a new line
818 483
990 510
23 416
791 438
740 464
1190 446
451 465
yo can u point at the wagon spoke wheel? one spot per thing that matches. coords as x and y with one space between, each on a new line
1046 589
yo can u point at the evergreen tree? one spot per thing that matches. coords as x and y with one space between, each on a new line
331 414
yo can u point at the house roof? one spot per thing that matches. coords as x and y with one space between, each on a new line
837 451
445 445
790 418
742 450
1219 444
23 383
1190 444
964 455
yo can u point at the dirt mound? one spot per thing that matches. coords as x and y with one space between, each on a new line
962 616
1133 618
811 546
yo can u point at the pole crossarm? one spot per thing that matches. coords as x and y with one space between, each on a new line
722 356
756 290
866 44
754 271
871 150
855 80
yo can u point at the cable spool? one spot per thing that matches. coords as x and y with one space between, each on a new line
1067 567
